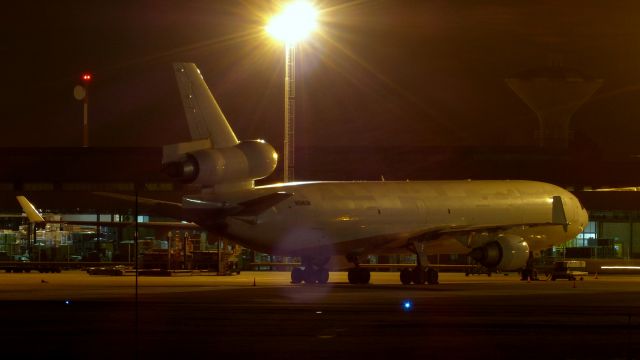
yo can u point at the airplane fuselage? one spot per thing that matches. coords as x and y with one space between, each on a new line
338 218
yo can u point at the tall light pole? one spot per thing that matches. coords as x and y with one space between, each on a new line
82 93
289 110
296 21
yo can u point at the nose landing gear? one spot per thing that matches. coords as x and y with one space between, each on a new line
309 275
312 272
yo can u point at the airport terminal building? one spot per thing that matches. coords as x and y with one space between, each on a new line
65 181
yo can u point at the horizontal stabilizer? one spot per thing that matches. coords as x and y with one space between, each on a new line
253 207
30 210
152 206
124 224
257 206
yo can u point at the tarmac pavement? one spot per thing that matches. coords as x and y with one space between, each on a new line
73 315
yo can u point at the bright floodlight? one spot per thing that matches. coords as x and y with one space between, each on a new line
296 21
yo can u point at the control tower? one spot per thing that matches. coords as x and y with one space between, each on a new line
554 93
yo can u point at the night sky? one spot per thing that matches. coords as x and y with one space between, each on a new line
379 72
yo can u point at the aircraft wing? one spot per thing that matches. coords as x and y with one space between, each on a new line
464 229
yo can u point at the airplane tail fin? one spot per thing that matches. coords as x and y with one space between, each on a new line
28 208
205 119
214 158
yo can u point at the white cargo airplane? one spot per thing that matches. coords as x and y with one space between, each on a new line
500 224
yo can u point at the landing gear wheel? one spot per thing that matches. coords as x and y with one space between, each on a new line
432 276
310 276
419 276
297 275
352 277
406 276
365 276
359 276
323 276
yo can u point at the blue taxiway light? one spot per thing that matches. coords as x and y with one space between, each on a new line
407 305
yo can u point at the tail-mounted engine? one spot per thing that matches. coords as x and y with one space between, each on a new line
505 252
246 161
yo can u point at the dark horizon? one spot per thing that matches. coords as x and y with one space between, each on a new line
421 73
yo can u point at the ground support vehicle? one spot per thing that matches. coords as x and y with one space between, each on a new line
569 269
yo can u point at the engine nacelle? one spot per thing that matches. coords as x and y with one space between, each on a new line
246 161
505 252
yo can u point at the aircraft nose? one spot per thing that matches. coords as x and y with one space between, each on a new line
581 214
584 218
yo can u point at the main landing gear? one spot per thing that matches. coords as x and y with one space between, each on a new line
310 273
357 275
420 274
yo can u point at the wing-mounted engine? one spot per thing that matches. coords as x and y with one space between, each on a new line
201 165
504 252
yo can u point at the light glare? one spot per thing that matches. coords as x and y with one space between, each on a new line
296 21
